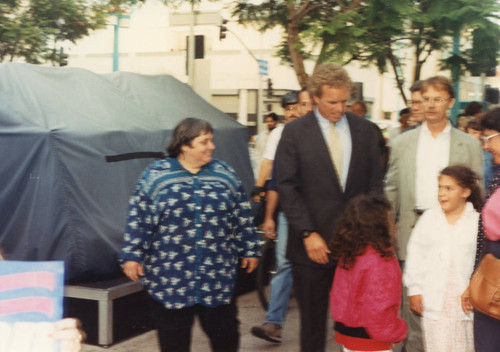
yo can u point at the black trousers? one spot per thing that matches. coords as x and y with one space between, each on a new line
174 326
312 290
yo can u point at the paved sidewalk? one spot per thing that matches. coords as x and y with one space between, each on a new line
250 314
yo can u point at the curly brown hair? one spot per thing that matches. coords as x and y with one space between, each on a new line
364 222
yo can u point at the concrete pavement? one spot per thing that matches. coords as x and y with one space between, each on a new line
250 313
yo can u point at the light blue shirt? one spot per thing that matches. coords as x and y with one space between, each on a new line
344 133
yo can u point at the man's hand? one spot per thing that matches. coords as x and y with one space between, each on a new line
250 264
133 270
466 305
316 248
269 228
417 304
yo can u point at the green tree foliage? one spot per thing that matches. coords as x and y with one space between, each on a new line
482 57
372 31
31 29
310 27
437 22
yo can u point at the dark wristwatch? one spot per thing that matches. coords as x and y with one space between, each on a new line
305 234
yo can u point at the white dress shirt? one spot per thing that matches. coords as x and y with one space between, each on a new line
433 155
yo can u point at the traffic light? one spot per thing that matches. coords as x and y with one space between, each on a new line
63 58
269 88
222 29
491 95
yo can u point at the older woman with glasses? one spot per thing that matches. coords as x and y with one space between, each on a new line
486 328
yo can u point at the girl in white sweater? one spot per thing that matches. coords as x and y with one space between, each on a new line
440 261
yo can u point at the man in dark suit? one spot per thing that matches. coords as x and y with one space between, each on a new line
324 159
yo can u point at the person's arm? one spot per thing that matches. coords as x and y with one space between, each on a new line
138 234
269 225
266 167
416 260
246 238
289 181
477 163
292 199
377 173
392 186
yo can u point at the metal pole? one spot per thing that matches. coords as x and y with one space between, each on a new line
455 74
191 47
116 52
260 99
259 122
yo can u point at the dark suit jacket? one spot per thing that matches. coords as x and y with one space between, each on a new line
310 193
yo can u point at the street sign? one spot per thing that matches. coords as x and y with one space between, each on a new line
262 67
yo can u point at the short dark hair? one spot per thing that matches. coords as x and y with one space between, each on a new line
474 124
473 108
362 103
271 115
416 86
184 133
404 111
491 120
289 98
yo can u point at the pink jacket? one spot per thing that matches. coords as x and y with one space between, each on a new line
491 217
369 296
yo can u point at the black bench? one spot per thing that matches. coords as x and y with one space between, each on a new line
104 292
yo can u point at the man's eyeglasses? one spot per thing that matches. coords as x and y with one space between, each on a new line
487 139
291 107
437 100
415 102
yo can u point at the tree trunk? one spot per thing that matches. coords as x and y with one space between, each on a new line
398 74
418 69
295 56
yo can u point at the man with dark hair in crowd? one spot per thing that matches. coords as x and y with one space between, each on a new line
271 120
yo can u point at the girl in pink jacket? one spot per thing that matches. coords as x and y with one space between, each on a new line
366 293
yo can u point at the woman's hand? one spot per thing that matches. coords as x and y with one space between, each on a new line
133 270
417 304
70 333
250 264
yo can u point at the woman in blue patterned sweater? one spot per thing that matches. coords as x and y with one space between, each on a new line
189 224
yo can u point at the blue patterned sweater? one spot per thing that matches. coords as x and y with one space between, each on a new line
189 231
